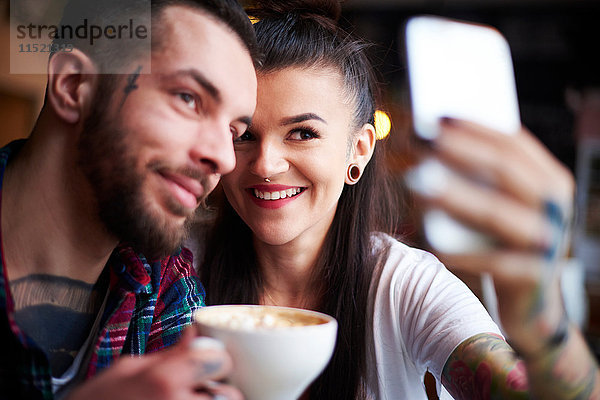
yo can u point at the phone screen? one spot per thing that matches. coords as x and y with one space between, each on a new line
462 70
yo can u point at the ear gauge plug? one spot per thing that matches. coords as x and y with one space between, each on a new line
353 173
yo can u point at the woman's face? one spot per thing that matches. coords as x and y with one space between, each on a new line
299 141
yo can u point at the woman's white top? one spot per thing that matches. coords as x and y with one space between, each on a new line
420 313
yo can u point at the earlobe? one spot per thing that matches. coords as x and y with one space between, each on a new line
71 82
364 145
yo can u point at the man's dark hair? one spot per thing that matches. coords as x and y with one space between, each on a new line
109 54
229 12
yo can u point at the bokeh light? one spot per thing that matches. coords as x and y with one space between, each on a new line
383 124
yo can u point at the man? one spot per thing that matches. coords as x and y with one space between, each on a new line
96 202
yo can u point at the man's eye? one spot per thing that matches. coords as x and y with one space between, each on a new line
189 100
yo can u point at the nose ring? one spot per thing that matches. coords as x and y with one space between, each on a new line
267 180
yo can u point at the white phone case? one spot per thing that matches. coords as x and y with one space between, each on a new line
461 70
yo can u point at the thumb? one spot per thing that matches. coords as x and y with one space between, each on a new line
187 337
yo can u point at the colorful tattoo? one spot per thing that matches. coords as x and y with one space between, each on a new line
485 367
567 372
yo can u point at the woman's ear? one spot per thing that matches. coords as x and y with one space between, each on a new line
362 151
72 78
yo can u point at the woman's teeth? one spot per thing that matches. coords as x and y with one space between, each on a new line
280 194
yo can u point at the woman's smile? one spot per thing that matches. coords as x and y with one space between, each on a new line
298 140
274 196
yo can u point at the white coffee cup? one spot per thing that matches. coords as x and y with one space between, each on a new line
277 351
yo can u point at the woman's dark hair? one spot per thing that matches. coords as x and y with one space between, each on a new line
305 34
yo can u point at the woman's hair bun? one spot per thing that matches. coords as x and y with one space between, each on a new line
330 9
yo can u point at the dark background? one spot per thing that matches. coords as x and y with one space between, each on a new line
555 47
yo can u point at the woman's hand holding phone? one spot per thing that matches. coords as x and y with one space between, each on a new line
522 179
498 203
491 185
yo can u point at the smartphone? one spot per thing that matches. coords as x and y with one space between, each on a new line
463 70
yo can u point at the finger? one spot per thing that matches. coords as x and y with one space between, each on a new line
481 207
203 395
192 362
517 164
507 267
221 391
477 151
522 140
128 365
211 361
207 395
187 337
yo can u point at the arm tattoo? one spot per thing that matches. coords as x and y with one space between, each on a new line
485 367
568 371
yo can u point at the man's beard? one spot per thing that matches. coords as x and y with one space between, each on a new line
111 167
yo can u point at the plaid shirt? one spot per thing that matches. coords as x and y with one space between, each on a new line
148 306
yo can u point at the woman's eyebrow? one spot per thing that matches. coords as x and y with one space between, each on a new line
301 118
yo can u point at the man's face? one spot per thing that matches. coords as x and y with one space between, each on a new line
154 151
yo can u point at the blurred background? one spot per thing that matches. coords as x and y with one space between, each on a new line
556 53
555 47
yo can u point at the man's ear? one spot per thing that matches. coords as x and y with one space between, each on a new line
362 150
72 78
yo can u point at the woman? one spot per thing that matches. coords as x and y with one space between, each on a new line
303 225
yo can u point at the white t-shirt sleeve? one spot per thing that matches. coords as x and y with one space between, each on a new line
440 312
427 310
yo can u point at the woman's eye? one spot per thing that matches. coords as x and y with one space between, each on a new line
235 133
189 100
303 134
244 137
